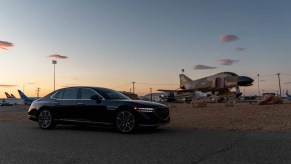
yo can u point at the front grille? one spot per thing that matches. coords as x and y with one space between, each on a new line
162 113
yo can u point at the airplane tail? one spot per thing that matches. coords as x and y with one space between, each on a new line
12 96
7 95
22 95
185 81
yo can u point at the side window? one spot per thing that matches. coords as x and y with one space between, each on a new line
71 93
59 95
87 93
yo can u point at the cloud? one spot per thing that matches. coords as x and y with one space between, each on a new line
203 67
227 61
240 49
56 56
5 45
7 85
228 38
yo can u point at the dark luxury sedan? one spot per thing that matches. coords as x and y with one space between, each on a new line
99 106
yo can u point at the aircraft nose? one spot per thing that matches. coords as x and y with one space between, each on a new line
244 81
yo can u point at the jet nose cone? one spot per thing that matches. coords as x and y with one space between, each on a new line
244 81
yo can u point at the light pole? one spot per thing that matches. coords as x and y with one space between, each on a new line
54 63
259 84
151 94
133 87
23 88
279 83
37 92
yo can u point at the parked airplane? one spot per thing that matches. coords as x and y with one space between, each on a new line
27 100
219 84
10 100
9 95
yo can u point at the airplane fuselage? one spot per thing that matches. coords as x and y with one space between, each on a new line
217 82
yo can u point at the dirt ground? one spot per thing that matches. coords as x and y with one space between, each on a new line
215 116
243 116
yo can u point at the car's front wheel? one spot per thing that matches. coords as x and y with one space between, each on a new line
126 121
45 119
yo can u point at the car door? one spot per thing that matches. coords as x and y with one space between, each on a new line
92 110
67 107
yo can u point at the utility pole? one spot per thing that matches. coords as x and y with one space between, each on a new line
38 89
133 87
259 84
151 94
279 83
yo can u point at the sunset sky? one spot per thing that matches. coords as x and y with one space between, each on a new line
111 43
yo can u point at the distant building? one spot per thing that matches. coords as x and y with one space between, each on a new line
130 95
155 97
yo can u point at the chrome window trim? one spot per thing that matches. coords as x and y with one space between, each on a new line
52 97
93 91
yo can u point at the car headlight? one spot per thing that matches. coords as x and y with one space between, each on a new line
144 109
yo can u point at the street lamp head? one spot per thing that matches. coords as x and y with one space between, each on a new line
54 62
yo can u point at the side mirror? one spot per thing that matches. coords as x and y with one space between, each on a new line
97 98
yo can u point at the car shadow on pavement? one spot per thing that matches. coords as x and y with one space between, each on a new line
109 129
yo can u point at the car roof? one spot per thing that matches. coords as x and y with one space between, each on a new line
84 87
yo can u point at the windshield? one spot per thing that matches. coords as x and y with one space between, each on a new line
109 94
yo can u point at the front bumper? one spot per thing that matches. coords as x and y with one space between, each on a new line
32 117
152 119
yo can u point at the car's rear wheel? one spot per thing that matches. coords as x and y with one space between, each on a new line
45 119
126 121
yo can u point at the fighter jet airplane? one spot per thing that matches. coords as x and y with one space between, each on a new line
219 85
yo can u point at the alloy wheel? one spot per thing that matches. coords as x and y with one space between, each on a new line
45 119
125 122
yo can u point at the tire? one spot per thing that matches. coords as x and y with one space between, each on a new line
45 119
126 122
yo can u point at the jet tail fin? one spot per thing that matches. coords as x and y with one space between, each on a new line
12 95
7 95
22 95
185 81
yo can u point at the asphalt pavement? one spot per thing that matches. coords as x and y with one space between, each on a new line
25 142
